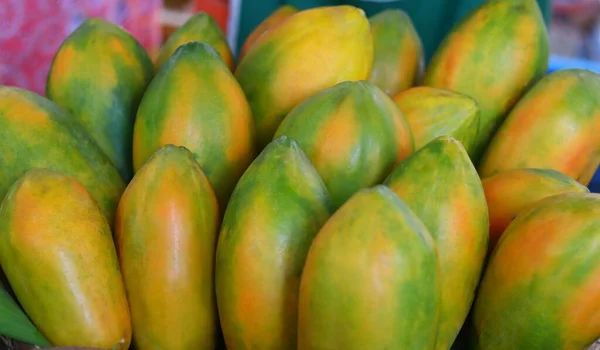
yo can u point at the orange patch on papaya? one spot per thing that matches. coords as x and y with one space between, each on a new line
181 109
63 64
337 137
403 133
121 51
582 316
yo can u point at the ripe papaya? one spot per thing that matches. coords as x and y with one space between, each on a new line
194 101
432 112
397 52
458 222
99 75
273 20
201 27
493 55
512 191
312 50
166 233
276 209
57 252
36 132
371 279
554 126
354 135
542 285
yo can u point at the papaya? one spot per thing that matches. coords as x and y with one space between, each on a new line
38 133
273 20
194 101
312 50
354 135
554 126
541 289
99 75
458 222
200 27
371 279
494 54
166 235
512 191
397 52
57 252
275 211
432 112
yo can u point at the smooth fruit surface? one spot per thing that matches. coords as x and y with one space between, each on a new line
57 252
194 101
542 284
441 186
99 75
311 51
554 126
274 19
354 135
397 52
370 279
510 192
277 208
203 28
166 234
36 132
492 55
435 112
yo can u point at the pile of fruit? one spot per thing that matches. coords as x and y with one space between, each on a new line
324 191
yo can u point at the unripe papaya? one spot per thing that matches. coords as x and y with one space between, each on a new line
57 252
554 126
166 233
371 279
492 55
354 135
276 209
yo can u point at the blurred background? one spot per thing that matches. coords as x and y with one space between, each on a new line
32 30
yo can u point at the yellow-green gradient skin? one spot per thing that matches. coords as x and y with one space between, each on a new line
194 101
397 52
353 134
371 279
311 51
432 113
554 126
99 75
542 285
277 208
441 186
166 234
57 251
493 55
37 133
512 191
201 27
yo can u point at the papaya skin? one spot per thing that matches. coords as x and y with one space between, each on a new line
554 126
542 283
512 191
494 55
99 75
57 252
275 212
201 27
398 52
458 222
166 233
273 20
370 279
312 50
354 135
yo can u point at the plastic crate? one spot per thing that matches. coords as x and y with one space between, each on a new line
558 63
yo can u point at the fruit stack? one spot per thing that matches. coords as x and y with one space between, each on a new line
324 191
